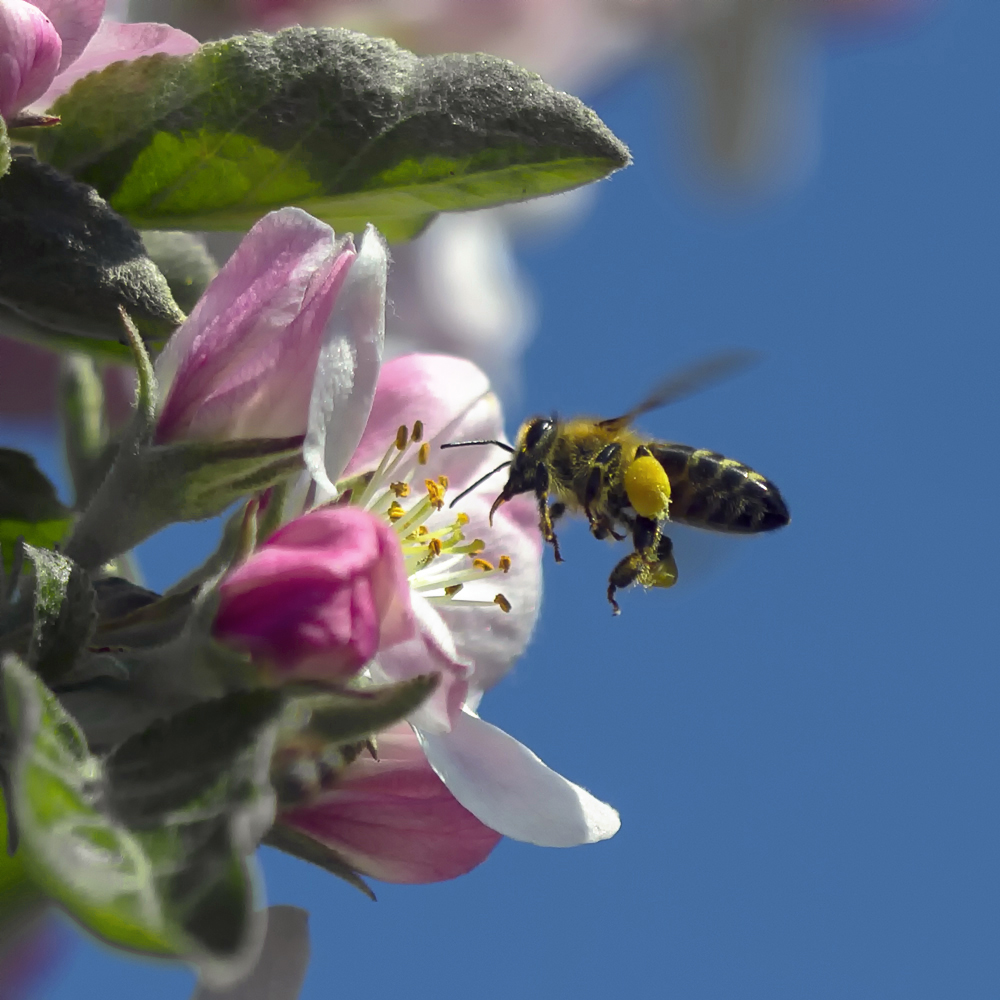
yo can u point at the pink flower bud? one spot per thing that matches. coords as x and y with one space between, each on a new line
320 596
30 51
394 819
243 364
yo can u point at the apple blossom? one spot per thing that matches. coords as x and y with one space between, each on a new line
319 597
474 591
244 362
394 819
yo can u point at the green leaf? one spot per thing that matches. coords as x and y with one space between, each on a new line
353 129
29 506
184 261
4 149
64 613
26 493
68 262
195 480
302 846
350 714
177 759
182 888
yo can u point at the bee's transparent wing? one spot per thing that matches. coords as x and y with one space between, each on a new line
686 382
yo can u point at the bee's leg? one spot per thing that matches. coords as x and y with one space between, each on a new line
650 564
608 455
601 527
624 575
545 522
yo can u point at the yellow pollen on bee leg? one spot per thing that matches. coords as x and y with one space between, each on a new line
505 563
648 487
401 437
502 603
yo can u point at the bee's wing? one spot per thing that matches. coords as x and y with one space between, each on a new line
686 382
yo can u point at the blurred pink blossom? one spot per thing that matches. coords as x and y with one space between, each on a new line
47 45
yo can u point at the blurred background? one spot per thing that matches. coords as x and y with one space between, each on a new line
801 736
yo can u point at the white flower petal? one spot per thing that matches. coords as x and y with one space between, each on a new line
487 637
349 363
507 787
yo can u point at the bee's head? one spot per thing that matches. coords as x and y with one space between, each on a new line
528 470
528 467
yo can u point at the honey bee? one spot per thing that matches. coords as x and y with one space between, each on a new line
628 485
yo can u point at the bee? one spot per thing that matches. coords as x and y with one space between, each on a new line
628 485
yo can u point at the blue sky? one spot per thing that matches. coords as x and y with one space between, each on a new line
801 736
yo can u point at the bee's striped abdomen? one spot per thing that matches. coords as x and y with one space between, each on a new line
709 490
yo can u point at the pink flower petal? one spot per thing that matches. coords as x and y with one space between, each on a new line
436 389
75 20
115 42
319 597
242 363
394 819
29 54
349 364
510 790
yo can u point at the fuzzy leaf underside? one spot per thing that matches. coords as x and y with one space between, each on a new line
350 128
68 262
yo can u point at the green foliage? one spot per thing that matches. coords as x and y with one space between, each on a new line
144 863
353 129
64 613
68 263
184 261
29 506
4 149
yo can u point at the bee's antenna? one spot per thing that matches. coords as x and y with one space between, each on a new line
481 480
464 444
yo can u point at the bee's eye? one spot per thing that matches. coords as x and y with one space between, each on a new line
536 432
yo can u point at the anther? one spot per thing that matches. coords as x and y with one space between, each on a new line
462 519
434 546
424 454
483 564
453 589
435 494
418 431
502 603
401 437
443 480
400 489
395 511
505 563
